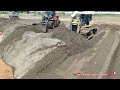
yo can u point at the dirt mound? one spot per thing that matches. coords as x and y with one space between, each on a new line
74 44
14 18
112 27
3 19
23 46
16 34
8 25
3 22
23 54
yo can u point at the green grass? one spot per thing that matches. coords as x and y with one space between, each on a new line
40 15
102 15
66 15
3 15
30 14
95 15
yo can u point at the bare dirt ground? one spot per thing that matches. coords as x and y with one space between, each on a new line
107 20
5 71
48 73
112 21
58 57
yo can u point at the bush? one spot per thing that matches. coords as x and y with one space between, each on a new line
3 12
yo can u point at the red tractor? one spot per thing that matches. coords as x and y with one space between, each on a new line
51 21
48 22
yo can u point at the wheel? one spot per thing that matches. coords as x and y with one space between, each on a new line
56 23
95 31
35 23
50 24
89 33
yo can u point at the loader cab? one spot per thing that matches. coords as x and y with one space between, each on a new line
50 14
85 19
88 18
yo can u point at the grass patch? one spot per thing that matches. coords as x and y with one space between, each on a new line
39 15
102 15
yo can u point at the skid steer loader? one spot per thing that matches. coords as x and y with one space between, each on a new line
49 21
83 25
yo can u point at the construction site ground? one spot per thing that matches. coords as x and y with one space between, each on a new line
60 53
